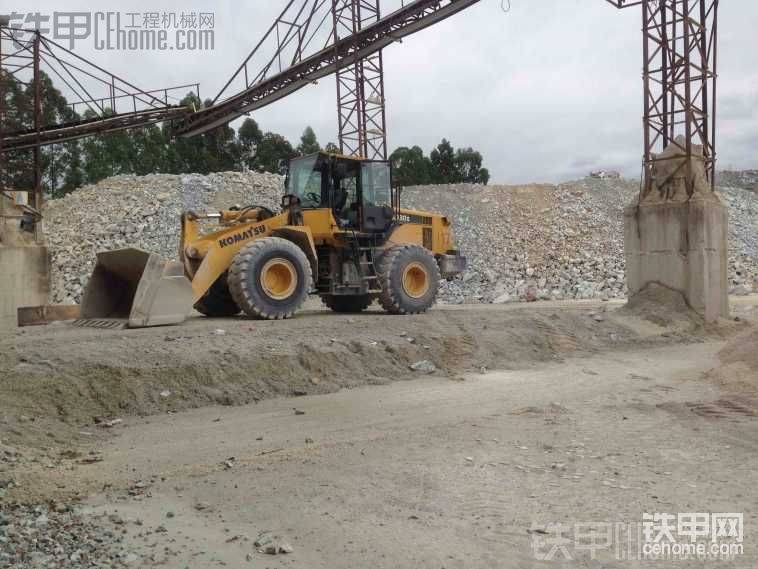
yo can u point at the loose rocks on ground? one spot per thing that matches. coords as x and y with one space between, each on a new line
59 537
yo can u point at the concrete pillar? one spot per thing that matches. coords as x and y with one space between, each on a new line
24 265
677 234
683 246
24 281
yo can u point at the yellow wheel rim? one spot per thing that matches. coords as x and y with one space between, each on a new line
279 278
415 280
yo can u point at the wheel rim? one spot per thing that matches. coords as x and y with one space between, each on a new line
415 280
278 278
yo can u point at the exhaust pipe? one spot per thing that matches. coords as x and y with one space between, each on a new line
136 289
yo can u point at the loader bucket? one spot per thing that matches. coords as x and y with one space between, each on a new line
137 289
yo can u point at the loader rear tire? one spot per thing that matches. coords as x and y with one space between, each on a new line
348 304
218 301
270 278
410 278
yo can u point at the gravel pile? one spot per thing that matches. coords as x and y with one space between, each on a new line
745 179
58 537
141 212
541 242
523 242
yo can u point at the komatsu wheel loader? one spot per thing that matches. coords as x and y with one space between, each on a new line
341 234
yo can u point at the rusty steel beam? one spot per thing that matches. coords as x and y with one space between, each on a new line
36 200
99 125
624 3
411 18
145 107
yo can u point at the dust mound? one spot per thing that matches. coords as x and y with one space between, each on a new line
663 306
742 349
738 372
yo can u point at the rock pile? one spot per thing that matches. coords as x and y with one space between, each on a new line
561 242
745 179
141 212
523 242
56 536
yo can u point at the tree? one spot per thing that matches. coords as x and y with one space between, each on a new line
106 155
308 142
73 177
468 166
332 148
148 151
212 151
410 167
274 152
443 164
249 137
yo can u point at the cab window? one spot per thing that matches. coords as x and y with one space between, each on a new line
304 180
377 191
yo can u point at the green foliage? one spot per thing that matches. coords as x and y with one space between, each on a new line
74 171
410 167
274 151
308 142
249 137
444 169
332 148
443 166
468 167
151 149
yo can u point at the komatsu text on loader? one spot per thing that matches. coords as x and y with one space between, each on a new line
341 234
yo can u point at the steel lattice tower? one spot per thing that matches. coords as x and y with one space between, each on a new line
680 39
360 86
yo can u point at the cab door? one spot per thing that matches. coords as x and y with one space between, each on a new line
376 197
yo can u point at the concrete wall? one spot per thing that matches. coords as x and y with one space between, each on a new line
24 281
682 245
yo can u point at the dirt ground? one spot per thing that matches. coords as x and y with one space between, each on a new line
311 432
61 380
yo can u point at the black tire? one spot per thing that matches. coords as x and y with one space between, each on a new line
218 301
348 304
270 278
401 295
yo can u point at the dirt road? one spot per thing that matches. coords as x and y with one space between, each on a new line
437 473
602 416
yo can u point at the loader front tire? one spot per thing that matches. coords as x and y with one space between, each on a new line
218 301
347 304
270 279
410 278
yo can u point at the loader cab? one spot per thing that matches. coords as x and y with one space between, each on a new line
359 192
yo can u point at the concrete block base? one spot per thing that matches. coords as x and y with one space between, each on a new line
683 246
24 281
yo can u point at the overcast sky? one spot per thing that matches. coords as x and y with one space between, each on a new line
546 92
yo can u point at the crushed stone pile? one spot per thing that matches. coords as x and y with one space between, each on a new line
745 179
57 536
546 242
138 211
523 243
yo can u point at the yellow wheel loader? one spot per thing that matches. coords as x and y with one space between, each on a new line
341 234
